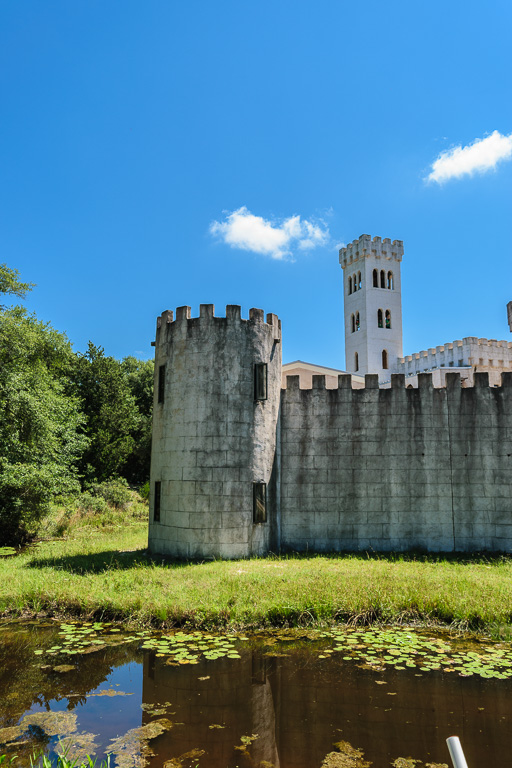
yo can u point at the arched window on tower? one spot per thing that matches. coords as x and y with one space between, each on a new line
375 278
356 362
358 281
385 359
390 281
379 319
353 322
358 323
349 286
382 279
388 318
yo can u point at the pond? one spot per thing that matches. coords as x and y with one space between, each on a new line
288 699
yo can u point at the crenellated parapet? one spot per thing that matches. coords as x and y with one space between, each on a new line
169 323
453 380
365 247
475 354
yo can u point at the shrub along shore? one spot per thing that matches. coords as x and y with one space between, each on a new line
106 573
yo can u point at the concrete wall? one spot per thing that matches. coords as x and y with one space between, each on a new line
211 440
397 469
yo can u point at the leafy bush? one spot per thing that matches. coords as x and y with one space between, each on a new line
115 492
25 494
86 502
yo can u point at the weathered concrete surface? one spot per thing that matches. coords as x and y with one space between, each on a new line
211 440
397 469
345 468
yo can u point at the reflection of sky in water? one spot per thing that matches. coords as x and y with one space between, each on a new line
106 716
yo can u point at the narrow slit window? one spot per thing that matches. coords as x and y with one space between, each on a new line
379 318
375 279
358 322
358 281
385 359
161 383
353 319
356 362
259 509
156 501
260 381
382 279
390 281
349 286
388 318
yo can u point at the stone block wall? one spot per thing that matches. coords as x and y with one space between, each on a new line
396 469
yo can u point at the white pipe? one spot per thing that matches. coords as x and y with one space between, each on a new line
456 753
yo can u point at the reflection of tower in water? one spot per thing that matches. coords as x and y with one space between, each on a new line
300 708
238 697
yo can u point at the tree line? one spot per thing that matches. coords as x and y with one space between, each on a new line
67 420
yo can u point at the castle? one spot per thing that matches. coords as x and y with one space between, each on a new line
404 453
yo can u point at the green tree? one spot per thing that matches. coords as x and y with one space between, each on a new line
139 376
110 408
40 439
11 284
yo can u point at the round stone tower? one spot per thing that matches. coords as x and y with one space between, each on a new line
213 460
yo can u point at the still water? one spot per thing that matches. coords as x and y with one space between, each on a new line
279 699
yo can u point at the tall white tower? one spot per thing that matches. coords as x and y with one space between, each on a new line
373 305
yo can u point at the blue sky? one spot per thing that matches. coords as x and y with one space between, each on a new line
128 129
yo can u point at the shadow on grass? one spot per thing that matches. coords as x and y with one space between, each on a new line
414 556
99 562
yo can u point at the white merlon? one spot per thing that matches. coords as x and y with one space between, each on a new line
365 246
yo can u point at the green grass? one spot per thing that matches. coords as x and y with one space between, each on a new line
59 761
106 573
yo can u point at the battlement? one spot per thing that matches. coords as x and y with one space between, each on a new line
365 247
398 381
183 317
462 347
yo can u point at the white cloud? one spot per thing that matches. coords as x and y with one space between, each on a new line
480 156
241 229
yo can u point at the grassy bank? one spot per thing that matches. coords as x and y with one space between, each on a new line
106 572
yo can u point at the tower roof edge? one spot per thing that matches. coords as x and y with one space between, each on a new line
364 246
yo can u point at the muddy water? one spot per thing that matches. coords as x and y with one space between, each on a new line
280 704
